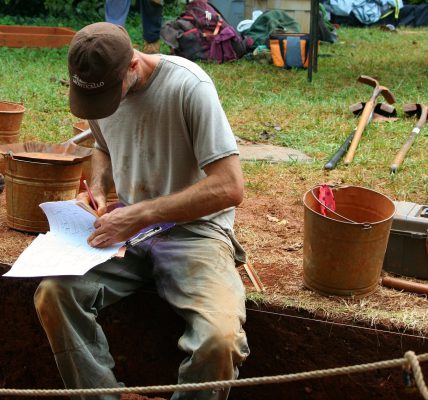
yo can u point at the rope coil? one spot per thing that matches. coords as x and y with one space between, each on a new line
413 365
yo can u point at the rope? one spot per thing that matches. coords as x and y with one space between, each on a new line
413 365
410 360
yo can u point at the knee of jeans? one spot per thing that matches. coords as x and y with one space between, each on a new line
221 345
47 296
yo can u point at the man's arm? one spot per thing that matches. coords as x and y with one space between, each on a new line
101 180
223 187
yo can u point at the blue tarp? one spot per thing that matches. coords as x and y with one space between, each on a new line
366 11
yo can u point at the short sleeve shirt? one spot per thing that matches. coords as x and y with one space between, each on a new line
162 136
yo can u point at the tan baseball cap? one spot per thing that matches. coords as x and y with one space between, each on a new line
98 58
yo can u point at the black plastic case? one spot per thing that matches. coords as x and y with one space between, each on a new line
407 251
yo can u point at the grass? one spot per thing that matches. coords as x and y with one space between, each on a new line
257 98
264 101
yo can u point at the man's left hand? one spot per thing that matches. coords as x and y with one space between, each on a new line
114 227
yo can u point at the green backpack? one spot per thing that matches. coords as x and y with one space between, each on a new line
268 22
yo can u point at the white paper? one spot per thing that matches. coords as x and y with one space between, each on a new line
64 249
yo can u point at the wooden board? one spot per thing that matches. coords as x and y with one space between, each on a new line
34 36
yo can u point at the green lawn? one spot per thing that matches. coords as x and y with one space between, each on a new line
264 101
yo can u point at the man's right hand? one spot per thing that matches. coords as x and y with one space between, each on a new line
100 200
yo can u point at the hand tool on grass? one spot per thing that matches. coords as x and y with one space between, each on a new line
421 110
255 280
368 110
381 109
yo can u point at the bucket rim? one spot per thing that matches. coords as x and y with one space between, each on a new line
353 223
40 163
20 110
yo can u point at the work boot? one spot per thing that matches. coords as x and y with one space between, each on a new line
1 183
152 47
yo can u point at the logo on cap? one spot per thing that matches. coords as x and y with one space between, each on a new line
85 85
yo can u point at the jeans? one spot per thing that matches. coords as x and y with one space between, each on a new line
194 274
116 12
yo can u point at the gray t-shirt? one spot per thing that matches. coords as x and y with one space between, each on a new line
162 136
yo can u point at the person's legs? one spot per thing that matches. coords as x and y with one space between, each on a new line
151 16
116 11
197 276
67 308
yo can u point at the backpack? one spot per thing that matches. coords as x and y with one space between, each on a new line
289 50
268 22
202 33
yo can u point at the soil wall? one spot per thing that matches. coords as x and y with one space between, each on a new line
143 333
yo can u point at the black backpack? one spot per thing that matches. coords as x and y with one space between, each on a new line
202 33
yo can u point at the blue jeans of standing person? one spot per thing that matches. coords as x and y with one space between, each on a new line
196 275
116 12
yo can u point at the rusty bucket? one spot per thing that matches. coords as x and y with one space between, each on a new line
30 183
36 173
343 251
11 115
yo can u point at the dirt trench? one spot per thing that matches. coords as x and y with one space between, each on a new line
143 333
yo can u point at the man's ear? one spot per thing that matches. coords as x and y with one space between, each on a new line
133 64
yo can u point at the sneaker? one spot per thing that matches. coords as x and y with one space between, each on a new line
134 396
152 48
1 183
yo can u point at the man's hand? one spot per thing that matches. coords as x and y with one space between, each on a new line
115 226
220 189
99 198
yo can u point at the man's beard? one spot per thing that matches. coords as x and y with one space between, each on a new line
131 84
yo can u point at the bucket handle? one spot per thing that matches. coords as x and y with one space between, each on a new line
9 155
365 225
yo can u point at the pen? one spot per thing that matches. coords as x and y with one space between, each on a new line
91 197
143 236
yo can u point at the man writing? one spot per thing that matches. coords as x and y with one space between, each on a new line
163 139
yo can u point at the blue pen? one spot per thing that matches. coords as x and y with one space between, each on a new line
143 236
148 233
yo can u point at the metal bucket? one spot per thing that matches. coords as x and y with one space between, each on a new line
343 251
11 115
30 183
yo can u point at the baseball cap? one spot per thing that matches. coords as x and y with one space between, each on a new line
98 58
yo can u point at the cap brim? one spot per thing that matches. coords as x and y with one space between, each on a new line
95 106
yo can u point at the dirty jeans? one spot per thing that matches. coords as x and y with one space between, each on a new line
195 274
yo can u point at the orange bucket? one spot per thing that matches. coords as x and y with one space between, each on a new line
343 251
39 172
11 115
30 183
